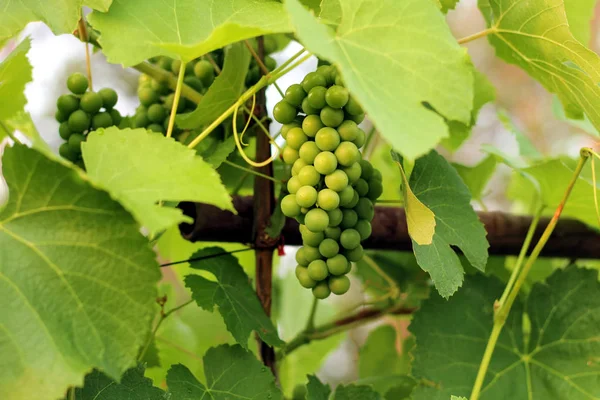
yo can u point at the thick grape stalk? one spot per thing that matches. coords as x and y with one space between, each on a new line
332 189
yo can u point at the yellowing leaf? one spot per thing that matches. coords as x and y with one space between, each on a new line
419 218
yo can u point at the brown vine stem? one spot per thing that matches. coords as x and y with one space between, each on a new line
83 36
262 65
504 309
477 35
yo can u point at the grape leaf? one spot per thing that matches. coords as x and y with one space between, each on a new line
141 168
331 12
374 48
224 91
182 29
100 5
356 392
555 357
477 177
580 14
132 386
526 147
458 398
439 187
379 355
78 283
231 372
231 292
584 123
536 37
447 5
15 73
61 16
215 151
391 387
316 390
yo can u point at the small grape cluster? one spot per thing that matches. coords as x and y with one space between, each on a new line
83 111
332 189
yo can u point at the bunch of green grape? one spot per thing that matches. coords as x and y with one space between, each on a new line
332 189
81 112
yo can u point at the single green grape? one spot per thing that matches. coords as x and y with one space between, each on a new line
339 81
159 87
317 270
311 125
321 291
353 172
154 127
284 112
332 117
377 175
312 238
311 253
60 117
361 138
293 185
325 163
362 187
157 113
316 220
205 72
364 228
335 217
337 180
194 83
75 141
328 199
140 119
375 189
67 104
301 257
101 120
66 152
289 206
337 265
308 152
337 96
350 239
339 284
333 232
316 97
356 118
329 248
252 76
270 63
348 130
365 209
352 107
308 109
295 94
367 170
169 103
327 139
311 80
289 155
354 201
327 72
115 115
270 44
297 166
304 277
346 196
347 154
308 176
306 196
349 220
77 83
165 63
147 96
79 121
287 127
64 131
296 138
109 98
355 254
175 66
91 102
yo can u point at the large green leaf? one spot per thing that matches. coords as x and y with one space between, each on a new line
394 56
224 91
234 296
141 168
535 35
183 29
60 15
553 356
77 280
316 390
15 73
132 386
580 14
439 187
231 373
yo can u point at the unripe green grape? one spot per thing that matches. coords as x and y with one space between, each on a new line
289 155
321 291
332 117
346 196
339 284
60 117
311 80
91 102
352 107
355 254
147 96
375 189
377 175
165 62
337 265
79 121
64 131
309 176
325 163
337 180
205 72
77 83
297 166
252 76
169 103
101 120
175 66
339 81
115 115
356 118
287 127
293 185
75 141
365 209
308 109
349 220
327 139
157 113
296 138
140 119
350 239
109 98
194 83
326 71
67 104
312 238
311 253
316 220
289 206
348 130
354 201
317 270
301 257
66 152
337 96
311 125
270 63
295 94
367 169
363 227
154 127
333 232
270 44
354 172
284 112
362 187
328 199
347 154
306 196
308 152
335 216
316 97
360 139
304 277
329 248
